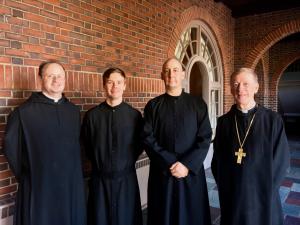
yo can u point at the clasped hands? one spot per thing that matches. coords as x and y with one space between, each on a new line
179 170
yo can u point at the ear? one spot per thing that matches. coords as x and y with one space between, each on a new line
124 85
183 75
162 75
232 91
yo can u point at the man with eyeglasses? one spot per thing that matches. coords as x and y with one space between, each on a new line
43 150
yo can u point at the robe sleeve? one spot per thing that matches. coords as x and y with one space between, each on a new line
281 154
156 153
139 130
85 136
194 158
14 143
216 158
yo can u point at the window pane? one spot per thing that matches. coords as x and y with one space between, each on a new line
189 51
194 31
213 117
185 60
178 51
216 79
194 44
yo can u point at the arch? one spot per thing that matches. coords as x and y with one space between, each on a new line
205 79
278 73
190 14
269 40
197 44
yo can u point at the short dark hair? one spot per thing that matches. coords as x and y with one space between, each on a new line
111 70
45 64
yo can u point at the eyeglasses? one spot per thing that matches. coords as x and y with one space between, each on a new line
53 76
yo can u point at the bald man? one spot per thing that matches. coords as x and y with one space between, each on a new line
177 135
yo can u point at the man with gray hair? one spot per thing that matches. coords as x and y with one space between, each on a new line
251 155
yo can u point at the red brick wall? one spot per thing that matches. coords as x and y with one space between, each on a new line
259 98
254 35
88 36
257 35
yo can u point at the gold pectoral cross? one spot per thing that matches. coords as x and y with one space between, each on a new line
240 154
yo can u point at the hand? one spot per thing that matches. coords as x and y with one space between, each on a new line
179 170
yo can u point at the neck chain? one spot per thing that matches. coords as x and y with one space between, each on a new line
240 153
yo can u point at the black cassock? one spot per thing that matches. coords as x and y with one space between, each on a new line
249 192
177 129
43 150
111 137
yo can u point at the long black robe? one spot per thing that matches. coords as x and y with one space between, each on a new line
43 150
111 137
177 129
249 192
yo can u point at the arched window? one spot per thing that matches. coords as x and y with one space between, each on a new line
198 52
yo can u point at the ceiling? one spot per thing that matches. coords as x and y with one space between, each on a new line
242 8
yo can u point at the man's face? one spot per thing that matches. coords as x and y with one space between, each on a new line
115 86
53 80
243 88
172 75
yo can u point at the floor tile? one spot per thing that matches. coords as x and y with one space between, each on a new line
295 187
284 192
291 210
214 199
290 220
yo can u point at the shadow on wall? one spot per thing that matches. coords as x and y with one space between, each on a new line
289 100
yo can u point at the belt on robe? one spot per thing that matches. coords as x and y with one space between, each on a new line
114 174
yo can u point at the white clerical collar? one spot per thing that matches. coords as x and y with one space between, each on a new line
246 110
52 98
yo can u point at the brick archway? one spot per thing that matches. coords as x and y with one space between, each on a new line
269 40
277 75
190 14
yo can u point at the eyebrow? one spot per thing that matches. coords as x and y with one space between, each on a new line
116 80
166 68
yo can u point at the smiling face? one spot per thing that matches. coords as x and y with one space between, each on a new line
172 75
53 80
115 86
244 86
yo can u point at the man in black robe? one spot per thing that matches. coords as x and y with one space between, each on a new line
250 159
43 150
111 135
177 136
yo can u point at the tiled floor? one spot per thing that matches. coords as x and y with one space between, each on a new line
289 190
